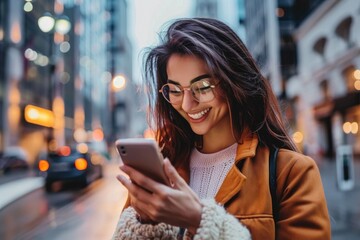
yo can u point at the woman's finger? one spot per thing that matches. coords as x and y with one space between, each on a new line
175 179
134 190
141 180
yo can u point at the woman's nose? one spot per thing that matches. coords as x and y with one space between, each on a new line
188 101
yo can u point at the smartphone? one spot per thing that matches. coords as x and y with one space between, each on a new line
143 154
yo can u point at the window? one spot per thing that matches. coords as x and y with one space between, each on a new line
319 46
343 29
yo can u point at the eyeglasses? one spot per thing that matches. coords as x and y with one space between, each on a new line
201 90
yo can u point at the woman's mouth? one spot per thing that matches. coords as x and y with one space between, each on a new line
199 115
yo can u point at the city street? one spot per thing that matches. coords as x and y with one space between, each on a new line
91 213
77 75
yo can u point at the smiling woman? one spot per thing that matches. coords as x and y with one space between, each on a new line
217 120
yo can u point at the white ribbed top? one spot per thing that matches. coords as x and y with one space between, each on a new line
208 171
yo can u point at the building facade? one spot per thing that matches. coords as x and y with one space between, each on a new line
262 39
326 89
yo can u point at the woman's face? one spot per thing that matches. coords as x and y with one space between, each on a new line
210 118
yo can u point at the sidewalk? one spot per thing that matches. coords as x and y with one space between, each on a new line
15 185
14 190
344 207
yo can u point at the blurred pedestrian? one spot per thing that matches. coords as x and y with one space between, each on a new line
217 120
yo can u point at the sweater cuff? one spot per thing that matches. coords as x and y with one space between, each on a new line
129 227
216 223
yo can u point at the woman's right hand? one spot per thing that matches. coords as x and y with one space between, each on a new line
176 205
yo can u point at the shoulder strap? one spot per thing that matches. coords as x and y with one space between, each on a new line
272 179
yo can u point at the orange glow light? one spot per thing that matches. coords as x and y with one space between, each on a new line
354 127
298 137
65 151
98 135
357 85
357 74
15 32
39 116
149 133
82 147
80 164
347 127
43 165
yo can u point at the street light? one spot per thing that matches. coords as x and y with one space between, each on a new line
46 22
118 83
60 24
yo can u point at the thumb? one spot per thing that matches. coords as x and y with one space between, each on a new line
176 181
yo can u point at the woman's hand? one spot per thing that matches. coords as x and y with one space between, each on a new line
176 205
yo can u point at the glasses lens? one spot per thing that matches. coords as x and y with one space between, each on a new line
202 90
172 93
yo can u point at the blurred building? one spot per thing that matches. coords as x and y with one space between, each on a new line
326 90
127 119
206 8
56 73
232 12
262 39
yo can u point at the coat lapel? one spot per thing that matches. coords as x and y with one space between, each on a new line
235 180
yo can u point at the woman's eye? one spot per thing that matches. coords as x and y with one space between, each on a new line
175 90
202 87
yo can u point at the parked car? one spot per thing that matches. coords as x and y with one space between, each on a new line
13 159
69 165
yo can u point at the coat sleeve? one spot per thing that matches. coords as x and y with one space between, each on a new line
303 210
129 227
217 224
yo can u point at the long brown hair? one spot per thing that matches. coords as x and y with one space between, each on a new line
252 104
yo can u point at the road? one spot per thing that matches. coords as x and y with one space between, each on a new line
70 213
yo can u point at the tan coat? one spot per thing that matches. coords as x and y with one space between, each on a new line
245 193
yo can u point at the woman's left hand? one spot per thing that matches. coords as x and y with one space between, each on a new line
176 205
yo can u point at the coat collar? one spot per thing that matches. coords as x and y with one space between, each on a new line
234 180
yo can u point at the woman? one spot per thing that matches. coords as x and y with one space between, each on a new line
217 119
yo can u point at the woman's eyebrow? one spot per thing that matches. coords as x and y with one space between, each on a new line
191 81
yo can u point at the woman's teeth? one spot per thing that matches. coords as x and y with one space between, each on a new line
199 114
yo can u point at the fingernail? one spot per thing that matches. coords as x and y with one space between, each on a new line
121 178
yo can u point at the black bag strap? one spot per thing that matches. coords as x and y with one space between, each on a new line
272 180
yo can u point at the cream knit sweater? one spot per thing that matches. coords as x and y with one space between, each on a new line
215 224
